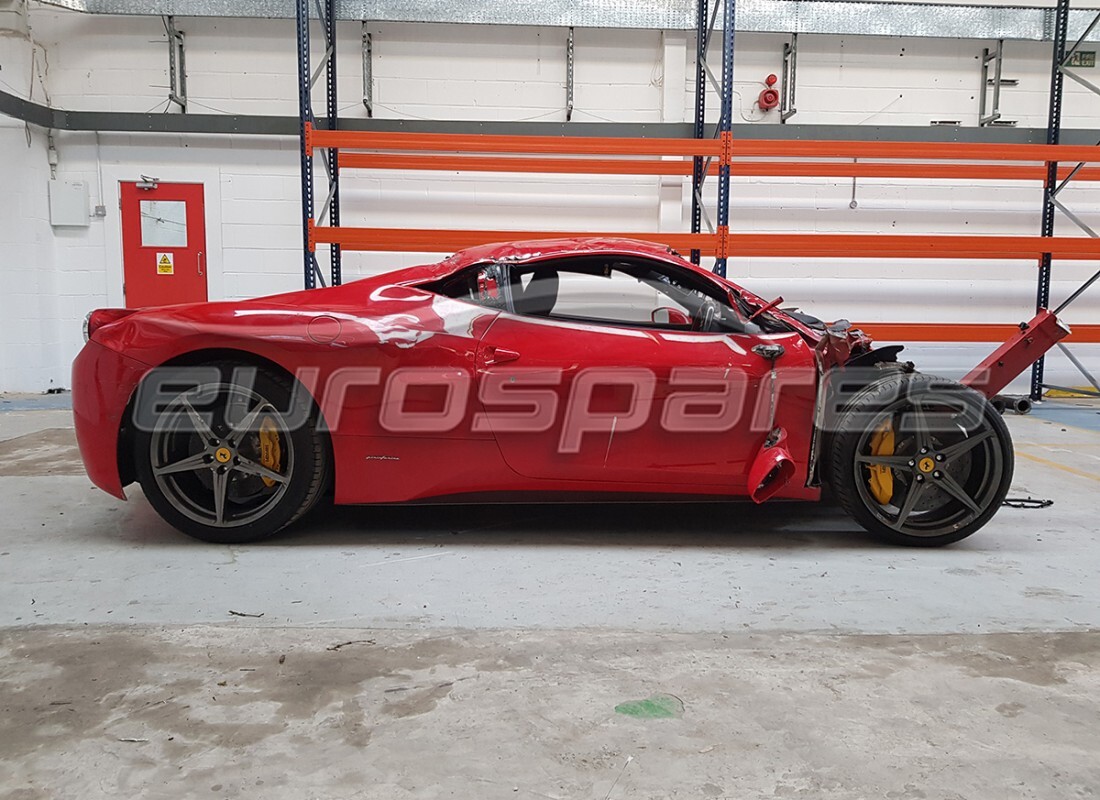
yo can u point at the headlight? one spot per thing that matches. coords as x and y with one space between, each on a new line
87 326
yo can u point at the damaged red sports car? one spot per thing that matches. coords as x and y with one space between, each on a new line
574 369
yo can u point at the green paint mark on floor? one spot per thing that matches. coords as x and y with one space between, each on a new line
658 706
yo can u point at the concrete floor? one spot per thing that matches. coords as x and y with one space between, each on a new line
489 648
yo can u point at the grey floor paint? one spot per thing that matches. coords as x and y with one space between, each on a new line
489 646
73 555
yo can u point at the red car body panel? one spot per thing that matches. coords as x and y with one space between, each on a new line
714 460
106 379
333 338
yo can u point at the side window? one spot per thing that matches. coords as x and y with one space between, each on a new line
483 285
613 290
614 296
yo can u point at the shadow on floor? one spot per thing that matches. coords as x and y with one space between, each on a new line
710 525
721 526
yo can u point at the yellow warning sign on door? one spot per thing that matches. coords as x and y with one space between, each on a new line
166 264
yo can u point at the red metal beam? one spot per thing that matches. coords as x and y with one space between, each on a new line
1026 346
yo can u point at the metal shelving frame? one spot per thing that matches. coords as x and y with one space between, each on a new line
707 15
706 21
308 77
1060 59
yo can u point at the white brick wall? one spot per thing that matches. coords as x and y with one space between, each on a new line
52 277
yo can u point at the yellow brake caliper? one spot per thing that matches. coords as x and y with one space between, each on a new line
882 478
271 455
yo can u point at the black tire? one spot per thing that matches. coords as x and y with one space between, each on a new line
178 457
949 471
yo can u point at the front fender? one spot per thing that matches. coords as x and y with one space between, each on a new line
103 382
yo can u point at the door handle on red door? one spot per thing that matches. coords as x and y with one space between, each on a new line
769 352
498 355
199 262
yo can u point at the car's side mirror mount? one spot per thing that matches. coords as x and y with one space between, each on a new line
669 316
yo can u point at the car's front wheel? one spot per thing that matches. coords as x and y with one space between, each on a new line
233 458
920 460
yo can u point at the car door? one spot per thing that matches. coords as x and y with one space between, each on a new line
589 387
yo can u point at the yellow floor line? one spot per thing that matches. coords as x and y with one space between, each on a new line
1071 470
1076 391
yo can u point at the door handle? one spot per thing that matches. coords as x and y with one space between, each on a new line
769 352
199 262
499 355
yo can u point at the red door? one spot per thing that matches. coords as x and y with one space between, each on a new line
638 367
163 244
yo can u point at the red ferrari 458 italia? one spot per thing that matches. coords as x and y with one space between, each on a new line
572 370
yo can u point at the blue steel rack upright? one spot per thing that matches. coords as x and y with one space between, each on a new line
1060 69
330 209
706 19
725 130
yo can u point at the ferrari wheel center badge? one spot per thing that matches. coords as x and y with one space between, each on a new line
926 464
223 454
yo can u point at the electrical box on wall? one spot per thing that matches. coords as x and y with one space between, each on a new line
69 203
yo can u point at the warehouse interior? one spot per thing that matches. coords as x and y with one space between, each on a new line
860 159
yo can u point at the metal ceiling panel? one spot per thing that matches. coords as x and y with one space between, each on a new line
659 14
853 17
894 19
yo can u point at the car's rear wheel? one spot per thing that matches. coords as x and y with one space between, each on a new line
920 460
234 458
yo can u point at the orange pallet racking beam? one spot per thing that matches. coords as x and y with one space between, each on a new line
941 151
495 143
739 245
401 240
741 148
843 245
570 166
961 332
652 166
